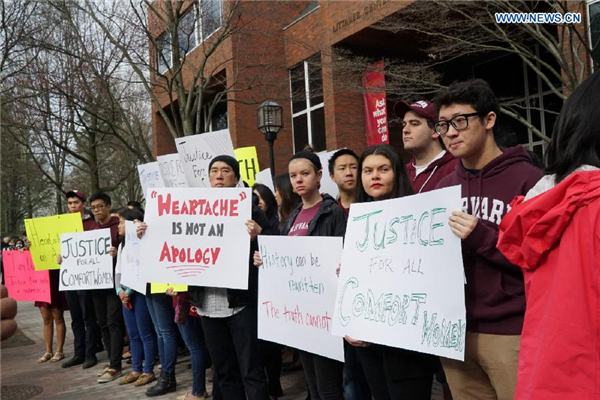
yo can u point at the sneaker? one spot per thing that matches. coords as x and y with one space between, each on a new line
103 370
110 375
145 379
89 362
130 378
72 362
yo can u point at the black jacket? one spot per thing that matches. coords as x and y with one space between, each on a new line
239 297
329 221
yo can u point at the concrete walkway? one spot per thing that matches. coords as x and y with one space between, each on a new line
19 366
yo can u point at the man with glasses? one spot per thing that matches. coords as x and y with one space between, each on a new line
106 303
430 162
495 297
86 332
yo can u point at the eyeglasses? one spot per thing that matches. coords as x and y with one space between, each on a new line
460 123
98 207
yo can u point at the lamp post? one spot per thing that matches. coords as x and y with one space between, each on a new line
269 120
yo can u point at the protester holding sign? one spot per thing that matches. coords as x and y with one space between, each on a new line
317 215
490 178
106 303
229 316
552 234
86 332
392 373
142 336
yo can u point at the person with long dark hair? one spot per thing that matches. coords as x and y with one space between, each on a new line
287 199
392 373
553 237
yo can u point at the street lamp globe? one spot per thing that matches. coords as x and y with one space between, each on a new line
269 120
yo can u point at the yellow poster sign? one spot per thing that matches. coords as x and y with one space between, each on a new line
162 288
248 160
44 235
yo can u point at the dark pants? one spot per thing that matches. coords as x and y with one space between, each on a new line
193 336
86 332
109 313
324 376
397 374
234 349
162 313
270 354
356 386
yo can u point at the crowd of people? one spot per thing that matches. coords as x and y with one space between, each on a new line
530 252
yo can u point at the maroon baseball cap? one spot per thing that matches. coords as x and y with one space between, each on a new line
77 193
422 107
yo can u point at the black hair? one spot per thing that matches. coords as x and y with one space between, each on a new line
576 137
310 156
135 204
289 199
402 186
268 197
475 92
338 154
131 214
101 196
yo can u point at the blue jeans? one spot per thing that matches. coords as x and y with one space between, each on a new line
163 314
193 336
142 336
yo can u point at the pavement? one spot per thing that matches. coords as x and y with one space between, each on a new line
22 378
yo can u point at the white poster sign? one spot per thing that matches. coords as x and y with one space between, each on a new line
197 236
196 152
264 177
296 292
171 171
327 185
130 267
402 280
86 262
150 176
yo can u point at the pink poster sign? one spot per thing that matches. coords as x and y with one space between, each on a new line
23 282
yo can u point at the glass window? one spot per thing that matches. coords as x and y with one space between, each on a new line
211 16
163 43
594 12
308 113
300 132
186 31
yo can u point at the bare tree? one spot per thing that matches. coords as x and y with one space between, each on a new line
452 31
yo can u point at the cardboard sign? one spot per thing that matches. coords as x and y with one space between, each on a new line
162 288
150 176
266 179
197 236
86 262
327 185
197 151
402 279
44 236
171 171
23 282
296 292
130 260
248 160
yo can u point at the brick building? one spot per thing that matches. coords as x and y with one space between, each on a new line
289 47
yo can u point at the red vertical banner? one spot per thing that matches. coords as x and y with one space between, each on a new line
376 123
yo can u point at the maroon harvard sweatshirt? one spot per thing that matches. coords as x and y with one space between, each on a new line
494 293
433 174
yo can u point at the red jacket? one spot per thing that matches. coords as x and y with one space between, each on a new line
433 174
555 239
